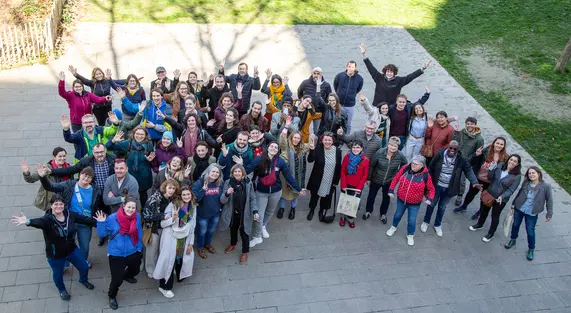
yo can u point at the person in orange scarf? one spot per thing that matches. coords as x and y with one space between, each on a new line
306 113
277 91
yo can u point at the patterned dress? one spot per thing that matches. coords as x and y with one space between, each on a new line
328 172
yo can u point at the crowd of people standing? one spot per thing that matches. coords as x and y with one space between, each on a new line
159 176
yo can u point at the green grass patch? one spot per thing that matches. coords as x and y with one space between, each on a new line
529 34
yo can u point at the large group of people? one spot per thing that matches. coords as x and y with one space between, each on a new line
158 176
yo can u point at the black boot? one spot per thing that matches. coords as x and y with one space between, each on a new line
321 214
113 303
280 213
291 215
310 214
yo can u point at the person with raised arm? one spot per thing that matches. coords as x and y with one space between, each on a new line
165 84
319 90
248 84
277 92
88 135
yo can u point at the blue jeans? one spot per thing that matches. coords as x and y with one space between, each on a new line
206 227
530 222
412 213
284 201
76 258
441 198
350 113
402 142
83 239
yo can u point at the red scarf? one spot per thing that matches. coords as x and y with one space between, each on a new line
65 165
128 225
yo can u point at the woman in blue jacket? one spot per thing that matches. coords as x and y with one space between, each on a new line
125 235
267 168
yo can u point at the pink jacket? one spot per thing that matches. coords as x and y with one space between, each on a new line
79 105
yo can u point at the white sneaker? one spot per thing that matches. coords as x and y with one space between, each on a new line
438 230
255 241
423 227
391 231
265 233
167 293
150 275
410 240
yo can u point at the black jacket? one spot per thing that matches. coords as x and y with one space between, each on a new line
317 155
213 95
66 190
460 166
308 87
388 90
83 163
60 244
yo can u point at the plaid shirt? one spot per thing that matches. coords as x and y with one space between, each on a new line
101 173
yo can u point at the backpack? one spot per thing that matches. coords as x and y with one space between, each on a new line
270 178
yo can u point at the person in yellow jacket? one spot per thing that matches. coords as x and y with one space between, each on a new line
306 113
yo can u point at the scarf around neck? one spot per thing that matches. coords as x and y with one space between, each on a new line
190 139
277 95
200 165
128 225
238 149
64 165
354 161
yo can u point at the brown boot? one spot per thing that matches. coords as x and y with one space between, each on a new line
202 253
210 249
243 258
229 249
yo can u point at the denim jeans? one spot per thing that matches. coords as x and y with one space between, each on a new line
350 113
530 222
413 146
206 227
283 203
402 142
373 190
412 213
76 258
441 198
83 239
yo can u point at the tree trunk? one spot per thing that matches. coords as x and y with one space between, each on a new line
565 56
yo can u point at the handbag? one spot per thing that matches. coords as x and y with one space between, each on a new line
330 219
508 222
270 178
147 234
348 204
489 200
426 150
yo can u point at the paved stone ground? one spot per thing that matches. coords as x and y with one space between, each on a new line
303 267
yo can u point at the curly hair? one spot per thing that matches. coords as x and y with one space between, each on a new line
390 67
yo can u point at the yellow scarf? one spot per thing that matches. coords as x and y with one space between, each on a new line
276 95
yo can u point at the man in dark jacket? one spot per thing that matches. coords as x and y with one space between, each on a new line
214 94
347 85
470 139
163 82
446 170
248 84
316 87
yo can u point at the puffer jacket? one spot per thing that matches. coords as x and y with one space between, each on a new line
413 187
79 104
309 87
383 170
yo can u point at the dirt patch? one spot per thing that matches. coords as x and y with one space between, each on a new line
21 11
491 72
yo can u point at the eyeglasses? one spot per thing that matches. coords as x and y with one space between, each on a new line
98 152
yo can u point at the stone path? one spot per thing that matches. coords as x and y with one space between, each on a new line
303 267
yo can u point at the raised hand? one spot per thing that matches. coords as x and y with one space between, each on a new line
65 122
363 49
150 124
211 122
221 65
426 64
223 149
426 88
118 137
479 151
312 142
187 170
238 159
100 216
239 88
179 142
457 127
142 106
25 167
175 213
160 114
108 73
113 118
20 219
229 191
72 69
285 80
256 72
205 186
176 73
151 156
340 132
288 121
42 170
269 73
121 93
219 139
61 75
430 122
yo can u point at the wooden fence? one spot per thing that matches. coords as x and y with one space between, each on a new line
21 43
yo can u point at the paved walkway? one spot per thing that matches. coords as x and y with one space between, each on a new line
303 267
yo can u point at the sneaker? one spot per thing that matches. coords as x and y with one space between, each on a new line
64 295
167 293
458 201
410 240
113 303
131 280
530 255
476 215
265 233
391 231
487 238
510 244
366 216
89 264
475 227
87 284
255 241
459 209
423 227
150 275
438 230
384 219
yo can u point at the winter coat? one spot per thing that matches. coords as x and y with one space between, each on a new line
387 90
347 87
101 134
167 85
129 187
297 165
66 189
413 187
358 179
248 84
376 116
213 96
461 165
543 198
276 128
382 170
317 156
103 87
331 122
370 146
167 247
227 162
79 104
499 186
304 128
228 207
163 155
309 87
154 210
279 165
58 246
438 137
274 108
120 245
43 197
469 143
137 162
150 115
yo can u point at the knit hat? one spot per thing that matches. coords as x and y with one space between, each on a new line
317 69
419 159
118 113
169 135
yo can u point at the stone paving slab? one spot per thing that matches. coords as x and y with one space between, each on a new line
304 266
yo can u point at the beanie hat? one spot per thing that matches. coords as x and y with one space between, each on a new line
317 69
118 113
419 159
169 135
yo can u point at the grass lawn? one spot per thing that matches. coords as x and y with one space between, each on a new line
530 34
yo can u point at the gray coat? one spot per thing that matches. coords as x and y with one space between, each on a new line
542 199
498 186
382 170
371 146
130 185
227 210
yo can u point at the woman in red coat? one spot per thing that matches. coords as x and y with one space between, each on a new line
354 172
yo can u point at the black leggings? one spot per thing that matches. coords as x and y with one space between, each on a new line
472 192
122 268
496 212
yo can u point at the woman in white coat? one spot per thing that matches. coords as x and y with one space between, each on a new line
176 253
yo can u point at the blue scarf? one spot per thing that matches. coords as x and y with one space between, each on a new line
353 162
